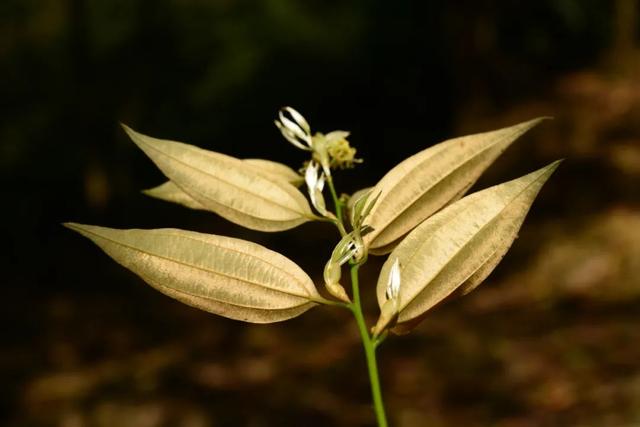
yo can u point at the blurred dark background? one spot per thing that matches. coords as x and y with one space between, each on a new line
551 339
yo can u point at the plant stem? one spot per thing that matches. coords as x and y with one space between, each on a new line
369 349
336 200
370 344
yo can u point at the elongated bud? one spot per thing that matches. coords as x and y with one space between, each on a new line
370 205
389 310
332 272
356 208
315 185
294 128
317 199
311 175
388 316
361 207
393 283
332 275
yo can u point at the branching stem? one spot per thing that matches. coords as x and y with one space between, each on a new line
369 343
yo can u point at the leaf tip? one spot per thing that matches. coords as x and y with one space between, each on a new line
126 128
71 225
551 167
136 137
529 124
151 192
78 228
542 174
524 127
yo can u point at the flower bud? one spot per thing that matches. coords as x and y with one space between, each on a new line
315 185
388 316
332 275
360 208
393 282
389 310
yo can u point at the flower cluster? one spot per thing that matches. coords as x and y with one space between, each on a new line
331 150
328 151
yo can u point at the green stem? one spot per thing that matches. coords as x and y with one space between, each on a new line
370 343
369 349
336 200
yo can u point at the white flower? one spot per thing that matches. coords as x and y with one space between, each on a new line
330 151
294 128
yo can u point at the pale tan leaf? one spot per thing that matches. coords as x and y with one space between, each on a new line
231 277
429 180
172 193
227 186
277 170
459 246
